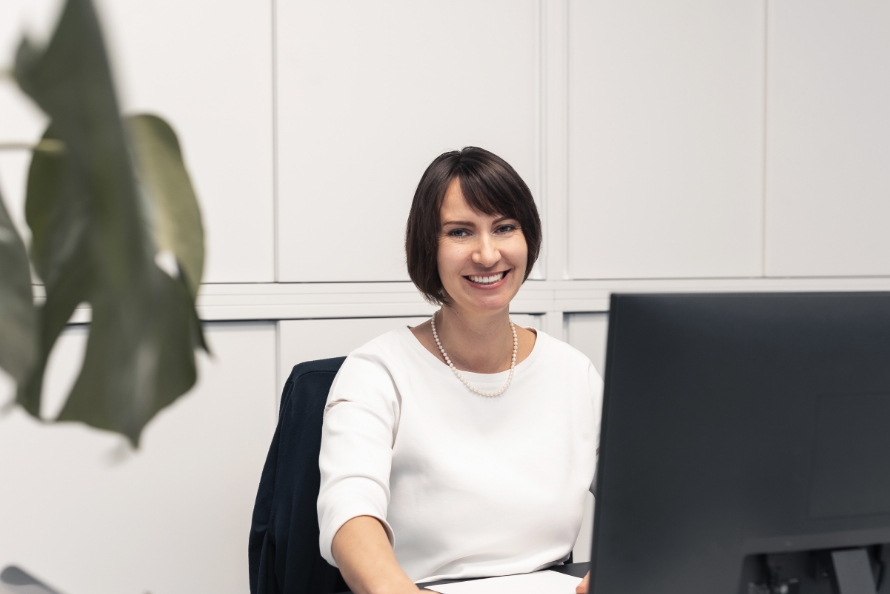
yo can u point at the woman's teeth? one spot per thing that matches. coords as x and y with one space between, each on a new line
487 280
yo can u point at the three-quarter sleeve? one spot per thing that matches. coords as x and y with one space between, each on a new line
360 424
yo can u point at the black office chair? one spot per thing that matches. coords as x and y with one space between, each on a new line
283 549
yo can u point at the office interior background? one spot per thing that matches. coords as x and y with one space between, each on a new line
690 145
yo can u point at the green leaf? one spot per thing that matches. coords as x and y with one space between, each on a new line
97 226
140 356
71 81
57 211
167 190
17 318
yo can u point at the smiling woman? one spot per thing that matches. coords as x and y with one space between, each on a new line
455 188
462 447
479 252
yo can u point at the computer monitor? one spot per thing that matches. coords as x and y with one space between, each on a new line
745 445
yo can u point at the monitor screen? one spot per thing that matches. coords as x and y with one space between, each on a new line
745 444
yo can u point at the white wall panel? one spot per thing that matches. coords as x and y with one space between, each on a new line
828 138
62 369
7 391
587 332
306 340
13 181
85 514
665 138
368 94
206 67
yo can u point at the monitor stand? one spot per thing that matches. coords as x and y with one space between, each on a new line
840 571
852 572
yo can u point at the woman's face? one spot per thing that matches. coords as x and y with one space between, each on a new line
482 258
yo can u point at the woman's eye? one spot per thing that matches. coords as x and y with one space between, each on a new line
457 233
506 228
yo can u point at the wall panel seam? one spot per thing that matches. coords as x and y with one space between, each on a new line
275 218
540 107
555 131
566 131
765 132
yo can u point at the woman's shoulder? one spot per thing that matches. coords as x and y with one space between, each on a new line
387 344
383 353
367 374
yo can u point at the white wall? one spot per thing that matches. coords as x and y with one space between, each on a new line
207 67
680 146
204 66
665 138
828 140
368 94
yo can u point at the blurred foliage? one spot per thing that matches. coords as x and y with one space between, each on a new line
17 318
111 198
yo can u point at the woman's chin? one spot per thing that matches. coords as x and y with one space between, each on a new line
490 303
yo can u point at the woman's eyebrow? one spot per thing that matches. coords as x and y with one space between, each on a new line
464 223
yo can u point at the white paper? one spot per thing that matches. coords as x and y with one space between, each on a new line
540 582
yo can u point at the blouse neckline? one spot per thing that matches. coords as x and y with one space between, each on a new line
475 378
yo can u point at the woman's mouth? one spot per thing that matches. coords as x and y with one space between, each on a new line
487 280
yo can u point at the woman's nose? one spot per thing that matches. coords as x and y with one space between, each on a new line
486 253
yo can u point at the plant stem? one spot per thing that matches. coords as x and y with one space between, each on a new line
16 146
47 145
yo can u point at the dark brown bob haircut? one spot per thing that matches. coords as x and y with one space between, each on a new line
490 186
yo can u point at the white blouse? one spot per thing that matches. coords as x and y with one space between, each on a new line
466 485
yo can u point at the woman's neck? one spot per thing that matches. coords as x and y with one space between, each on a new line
480 343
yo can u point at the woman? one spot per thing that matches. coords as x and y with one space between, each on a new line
462 447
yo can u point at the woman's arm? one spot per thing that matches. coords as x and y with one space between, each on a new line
360 425
367 563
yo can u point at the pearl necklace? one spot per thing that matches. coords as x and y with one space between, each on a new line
461 377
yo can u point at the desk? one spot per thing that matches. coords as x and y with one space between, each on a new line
576 569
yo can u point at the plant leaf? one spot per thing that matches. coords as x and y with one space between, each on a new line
17 317
94 239
140 356
57 211
168 193
71 81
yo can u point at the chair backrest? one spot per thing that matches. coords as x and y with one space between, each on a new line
283 548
